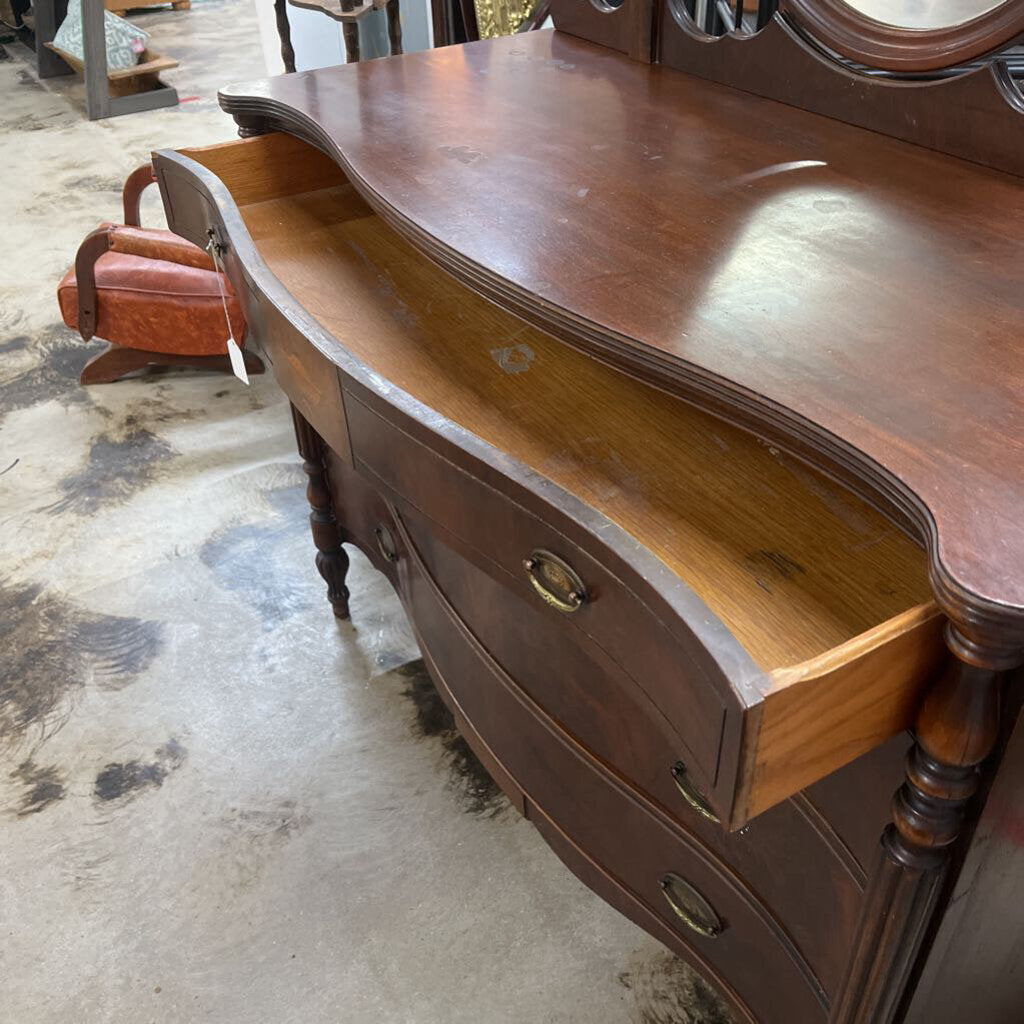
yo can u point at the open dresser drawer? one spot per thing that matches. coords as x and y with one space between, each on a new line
771 625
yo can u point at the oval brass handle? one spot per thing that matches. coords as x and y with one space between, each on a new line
691 907
691 794
555 580
386 543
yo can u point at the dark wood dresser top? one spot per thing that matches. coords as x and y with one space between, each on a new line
855 295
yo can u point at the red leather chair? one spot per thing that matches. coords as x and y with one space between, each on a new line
153 295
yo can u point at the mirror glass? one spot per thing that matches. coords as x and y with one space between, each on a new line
924 13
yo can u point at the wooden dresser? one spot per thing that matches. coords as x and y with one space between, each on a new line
687 421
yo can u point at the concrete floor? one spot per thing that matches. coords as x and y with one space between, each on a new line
217 802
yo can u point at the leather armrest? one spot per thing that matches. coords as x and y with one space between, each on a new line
132 241
96 243
131 196
158 245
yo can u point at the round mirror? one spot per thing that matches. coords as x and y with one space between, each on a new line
909 35
924 13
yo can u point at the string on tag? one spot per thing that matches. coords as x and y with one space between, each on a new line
234 350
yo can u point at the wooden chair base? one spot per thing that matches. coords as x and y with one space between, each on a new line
115 361
122 8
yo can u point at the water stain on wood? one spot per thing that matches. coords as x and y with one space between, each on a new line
477 793
770 567
667 991
50 648
124 780
43 786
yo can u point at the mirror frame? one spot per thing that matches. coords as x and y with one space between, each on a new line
889 48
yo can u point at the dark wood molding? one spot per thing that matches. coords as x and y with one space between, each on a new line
849 33
249 126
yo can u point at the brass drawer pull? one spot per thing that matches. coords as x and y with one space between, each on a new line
691 907
691 794
555 581
386 543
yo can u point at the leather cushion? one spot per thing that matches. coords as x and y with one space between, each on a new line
157 306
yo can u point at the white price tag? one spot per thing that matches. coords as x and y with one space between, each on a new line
234 352
237 361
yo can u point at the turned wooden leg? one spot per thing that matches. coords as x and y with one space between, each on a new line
957 727
284 33
331 560
394 27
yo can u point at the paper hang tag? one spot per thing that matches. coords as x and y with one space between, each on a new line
237 361
234 352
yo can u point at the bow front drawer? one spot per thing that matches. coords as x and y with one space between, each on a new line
666 881
570 583
741 739
779 622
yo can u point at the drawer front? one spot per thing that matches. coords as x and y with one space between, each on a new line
499 535
787 855
738 937
305 375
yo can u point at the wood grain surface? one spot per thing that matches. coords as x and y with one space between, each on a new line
847 290
794 565
405 335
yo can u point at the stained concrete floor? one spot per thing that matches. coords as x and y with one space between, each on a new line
217 802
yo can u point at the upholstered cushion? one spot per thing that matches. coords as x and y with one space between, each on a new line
155 304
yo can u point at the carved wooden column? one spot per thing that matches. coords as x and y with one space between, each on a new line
956 729
331 560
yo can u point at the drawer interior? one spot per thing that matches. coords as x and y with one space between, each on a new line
809 577
792 562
